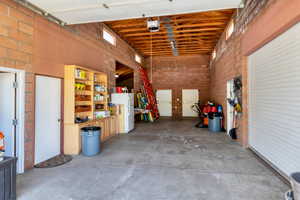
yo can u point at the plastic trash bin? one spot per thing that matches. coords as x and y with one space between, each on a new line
214 124
295 181
90 138
8 178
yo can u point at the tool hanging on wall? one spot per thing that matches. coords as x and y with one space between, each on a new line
233 131
236 101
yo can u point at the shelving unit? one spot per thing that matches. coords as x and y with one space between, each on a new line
86 94
82 93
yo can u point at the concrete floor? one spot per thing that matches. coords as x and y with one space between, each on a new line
166 160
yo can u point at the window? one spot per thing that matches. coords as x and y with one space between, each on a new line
214 54
230 29
109 37
138 58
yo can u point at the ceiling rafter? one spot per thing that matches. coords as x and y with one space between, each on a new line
195 33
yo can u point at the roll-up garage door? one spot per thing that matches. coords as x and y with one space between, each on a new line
274 101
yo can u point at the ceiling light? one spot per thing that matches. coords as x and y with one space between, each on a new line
117 75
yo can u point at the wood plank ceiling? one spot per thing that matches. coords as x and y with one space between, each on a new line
195 33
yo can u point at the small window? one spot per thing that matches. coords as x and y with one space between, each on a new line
138 58
230 29
214 54
109 37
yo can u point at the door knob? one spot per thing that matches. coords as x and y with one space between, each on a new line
59 120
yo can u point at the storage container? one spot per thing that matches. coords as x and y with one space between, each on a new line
8 178
90 137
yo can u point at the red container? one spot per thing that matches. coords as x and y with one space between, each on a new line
119 89
214 109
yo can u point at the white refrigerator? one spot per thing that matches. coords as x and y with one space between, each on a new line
126 99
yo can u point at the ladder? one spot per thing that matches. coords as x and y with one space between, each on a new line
152 104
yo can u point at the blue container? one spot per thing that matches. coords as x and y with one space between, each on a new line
90 138
214 124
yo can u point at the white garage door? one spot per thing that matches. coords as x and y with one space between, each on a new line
274 101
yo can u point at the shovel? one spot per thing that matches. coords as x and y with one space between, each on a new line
232 132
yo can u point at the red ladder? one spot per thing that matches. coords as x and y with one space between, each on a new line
149 92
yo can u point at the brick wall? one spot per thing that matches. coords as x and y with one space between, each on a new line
38 46
177 73
258 23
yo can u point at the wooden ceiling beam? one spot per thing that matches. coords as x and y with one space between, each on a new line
177 42
144 28
174 20
194 33
178 45
215 36
174 31
188 39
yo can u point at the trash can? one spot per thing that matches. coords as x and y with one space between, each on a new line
295 181
90 138
8 173
214 124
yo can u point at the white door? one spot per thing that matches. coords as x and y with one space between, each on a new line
230 109
164 101
274 101
47 118
7 111
189 98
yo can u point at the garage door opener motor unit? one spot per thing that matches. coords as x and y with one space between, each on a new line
153 25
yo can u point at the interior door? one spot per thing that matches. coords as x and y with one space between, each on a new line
230 109
189 98
7 111
47 118
164 101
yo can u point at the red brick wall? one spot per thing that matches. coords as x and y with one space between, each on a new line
177 73
32 43
258 23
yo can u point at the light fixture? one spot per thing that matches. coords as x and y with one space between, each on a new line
117 75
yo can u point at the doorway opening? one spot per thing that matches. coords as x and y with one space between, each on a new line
12 110
124 76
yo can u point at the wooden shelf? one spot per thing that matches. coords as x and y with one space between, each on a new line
95 92
99 110
83 92
83 80
72 94
83 103
99 102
